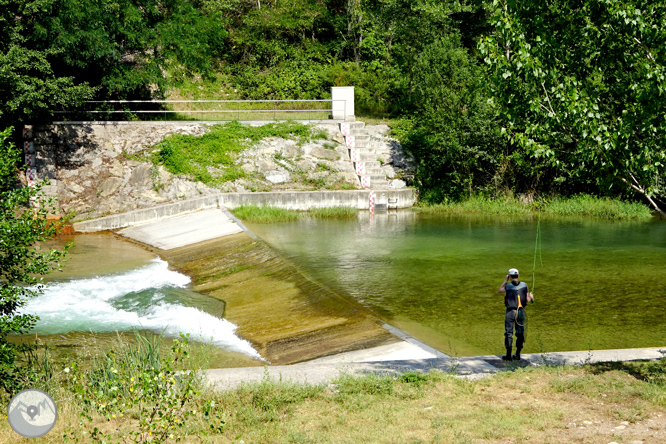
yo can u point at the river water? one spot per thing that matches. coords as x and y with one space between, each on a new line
109 286
602 284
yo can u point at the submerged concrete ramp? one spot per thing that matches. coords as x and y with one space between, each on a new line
186 229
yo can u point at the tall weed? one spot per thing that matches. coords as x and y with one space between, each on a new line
268 214
135 383
602 207
580 206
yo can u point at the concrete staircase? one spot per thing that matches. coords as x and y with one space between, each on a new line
366 156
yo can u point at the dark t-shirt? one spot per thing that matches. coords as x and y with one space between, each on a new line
512 294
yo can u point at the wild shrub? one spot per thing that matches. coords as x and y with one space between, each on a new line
136 385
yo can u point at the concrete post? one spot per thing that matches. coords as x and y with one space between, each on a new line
342 102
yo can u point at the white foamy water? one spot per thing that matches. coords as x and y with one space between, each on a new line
145 298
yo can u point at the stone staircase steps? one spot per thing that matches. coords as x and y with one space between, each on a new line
365 156
377 177
369 154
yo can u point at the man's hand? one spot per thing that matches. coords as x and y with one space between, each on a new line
502 289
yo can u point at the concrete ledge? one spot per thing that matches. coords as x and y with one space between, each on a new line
382 361
146 215
291 200
304 200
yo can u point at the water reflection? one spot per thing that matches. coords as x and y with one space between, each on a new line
436 276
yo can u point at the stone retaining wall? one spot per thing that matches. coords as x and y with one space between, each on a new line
305 200
91 172
100 169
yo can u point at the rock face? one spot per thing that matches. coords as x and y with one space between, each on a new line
101 169
91 170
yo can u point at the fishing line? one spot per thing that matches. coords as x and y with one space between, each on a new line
537 249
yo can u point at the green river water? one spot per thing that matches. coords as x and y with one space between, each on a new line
602 284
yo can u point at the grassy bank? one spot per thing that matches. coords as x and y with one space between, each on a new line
210 158
267 214
124 398
582 205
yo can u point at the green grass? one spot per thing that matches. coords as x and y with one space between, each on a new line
581 205
479 204
264 215
210 158
134 392
267 214
602 207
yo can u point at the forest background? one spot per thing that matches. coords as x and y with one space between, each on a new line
542 99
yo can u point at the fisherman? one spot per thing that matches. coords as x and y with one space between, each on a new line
516 296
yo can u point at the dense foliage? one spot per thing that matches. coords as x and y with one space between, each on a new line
54 54
21 263
574 85
451 131
581 84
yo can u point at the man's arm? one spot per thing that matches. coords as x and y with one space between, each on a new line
502 288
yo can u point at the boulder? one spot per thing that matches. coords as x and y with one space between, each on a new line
305 164
153 196
110 186
117 168
249 167
291 150
141 176
75 188
277 177
389 171
266 166
322 153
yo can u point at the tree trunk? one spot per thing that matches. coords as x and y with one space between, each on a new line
642 191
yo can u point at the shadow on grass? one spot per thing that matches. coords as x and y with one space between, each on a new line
653 371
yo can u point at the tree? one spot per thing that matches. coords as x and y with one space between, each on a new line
21 262
55 54
125 47
453 136
28 84
582 83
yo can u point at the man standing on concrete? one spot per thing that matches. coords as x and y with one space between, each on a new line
516 297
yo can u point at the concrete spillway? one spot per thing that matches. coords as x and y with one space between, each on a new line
186 229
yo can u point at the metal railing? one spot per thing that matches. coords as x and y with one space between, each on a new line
204 110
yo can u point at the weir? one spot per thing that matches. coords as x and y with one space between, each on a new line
287 317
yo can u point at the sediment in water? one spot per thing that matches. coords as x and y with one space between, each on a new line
287 317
